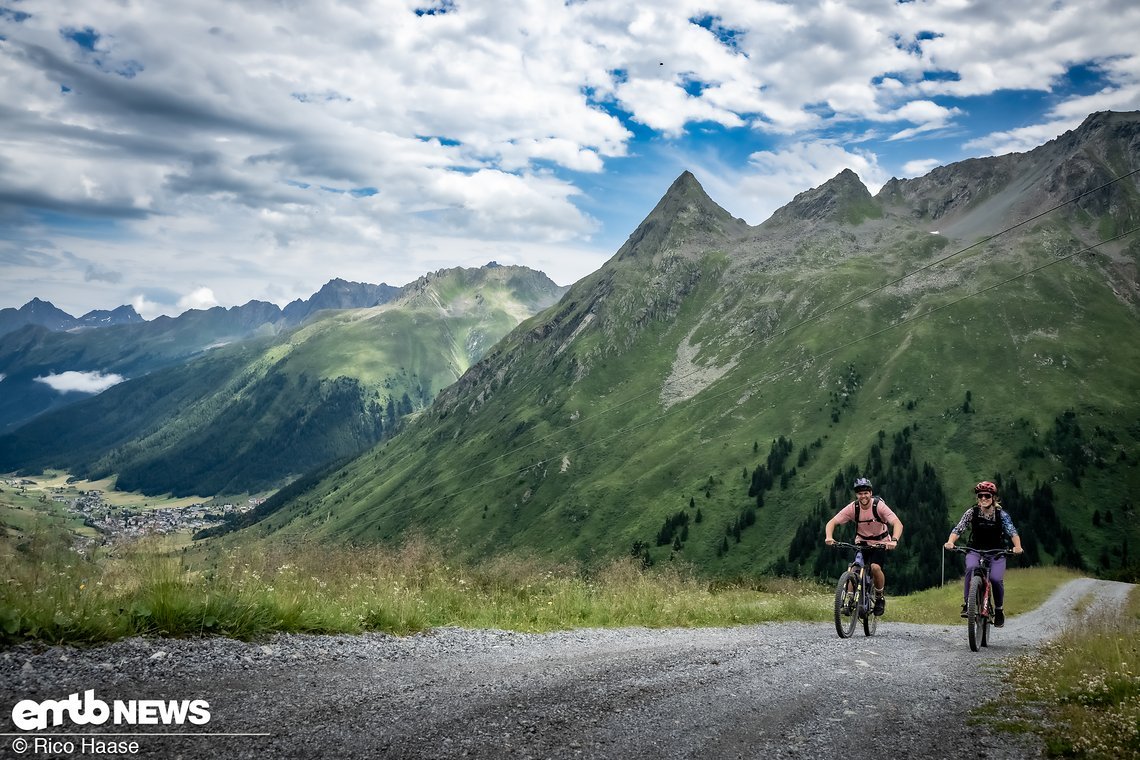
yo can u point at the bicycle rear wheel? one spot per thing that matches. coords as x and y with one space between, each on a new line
974 620
846 604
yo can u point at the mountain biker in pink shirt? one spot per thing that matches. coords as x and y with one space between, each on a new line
874 524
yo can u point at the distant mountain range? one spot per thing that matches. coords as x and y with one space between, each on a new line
39 341
335 294
44 314
709 394
229 401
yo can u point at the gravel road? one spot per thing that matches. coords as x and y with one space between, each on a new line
788 690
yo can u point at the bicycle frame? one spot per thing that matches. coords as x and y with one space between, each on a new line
855 596
979 598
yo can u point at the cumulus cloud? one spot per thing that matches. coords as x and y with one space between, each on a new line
926 115
772 178
200 298
920 167
80 382
144 307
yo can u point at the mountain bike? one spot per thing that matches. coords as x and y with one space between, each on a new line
855 595
979 600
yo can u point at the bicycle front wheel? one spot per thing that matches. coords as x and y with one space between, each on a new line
846 604
986 609
870 620
975 625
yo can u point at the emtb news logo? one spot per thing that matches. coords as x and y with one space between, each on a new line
30 715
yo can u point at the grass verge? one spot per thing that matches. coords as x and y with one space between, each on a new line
1081 691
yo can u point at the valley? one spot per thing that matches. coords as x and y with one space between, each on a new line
94 514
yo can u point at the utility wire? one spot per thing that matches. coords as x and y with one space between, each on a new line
781 333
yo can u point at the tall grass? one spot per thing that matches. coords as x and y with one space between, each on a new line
1082 690
56 595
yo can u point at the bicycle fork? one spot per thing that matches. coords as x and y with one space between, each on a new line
854 580
984 602
857 583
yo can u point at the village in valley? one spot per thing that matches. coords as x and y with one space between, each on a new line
105 517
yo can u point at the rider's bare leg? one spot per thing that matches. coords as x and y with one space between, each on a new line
878 577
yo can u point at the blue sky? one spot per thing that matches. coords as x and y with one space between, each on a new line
177 154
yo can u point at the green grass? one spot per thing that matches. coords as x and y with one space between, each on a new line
56 595
1027 589
1081 690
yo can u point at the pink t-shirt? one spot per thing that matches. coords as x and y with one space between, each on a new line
871 528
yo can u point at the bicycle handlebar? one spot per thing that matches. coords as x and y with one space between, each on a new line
983 552
846 545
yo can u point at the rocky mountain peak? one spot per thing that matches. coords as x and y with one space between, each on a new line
684 215
121 315
843 198
339 293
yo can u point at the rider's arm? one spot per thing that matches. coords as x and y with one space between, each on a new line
1007 526
958 529
847 514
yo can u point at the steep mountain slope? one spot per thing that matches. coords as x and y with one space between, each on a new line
707 395
252 415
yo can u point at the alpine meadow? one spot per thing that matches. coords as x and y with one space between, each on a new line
708 395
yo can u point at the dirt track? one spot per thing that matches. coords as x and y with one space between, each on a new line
778 690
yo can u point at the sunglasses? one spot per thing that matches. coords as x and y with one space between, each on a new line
984 496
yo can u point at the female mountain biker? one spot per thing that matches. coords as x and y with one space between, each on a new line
872 519
989 526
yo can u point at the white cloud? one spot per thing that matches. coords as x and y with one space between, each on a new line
926 114
200 298
920 167
81 382
772 179
146 308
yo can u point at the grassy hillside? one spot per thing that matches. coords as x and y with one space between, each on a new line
850 328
